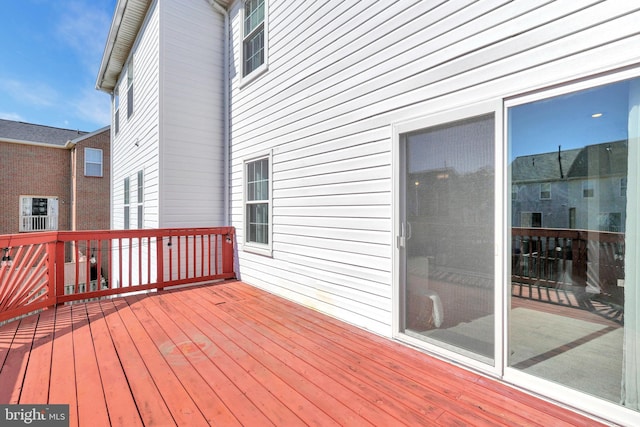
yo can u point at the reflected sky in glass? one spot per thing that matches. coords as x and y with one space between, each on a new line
566 121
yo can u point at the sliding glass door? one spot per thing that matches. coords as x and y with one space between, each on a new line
447 236
573 164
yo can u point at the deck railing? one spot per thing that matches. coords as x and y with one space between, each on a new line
40 270
567 257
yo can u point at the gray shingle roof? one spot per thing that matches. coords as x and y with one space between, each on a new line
543 166
36 133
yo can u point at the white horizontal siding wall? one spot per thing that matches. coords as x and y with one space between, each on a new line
340 73
192 122
135 146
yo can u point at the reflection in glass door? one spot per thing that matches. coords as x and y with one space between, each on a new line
447 213
574 307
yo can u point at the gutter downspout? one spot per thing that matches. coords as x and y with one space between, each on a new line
227 111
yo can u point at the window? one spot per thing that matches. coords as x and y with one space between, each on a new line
257 203
253 45
126 203
531 219
588 189
38 213
92 162
130 88
116 107
140 199
584 234
610 221
514 192
545 191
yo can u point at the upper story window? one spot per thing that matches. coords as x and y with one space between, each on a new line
253 42
130 88
588 189
623 187
545 191
93 162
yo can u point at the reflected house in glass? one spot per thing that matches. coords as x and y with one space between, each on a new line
586 188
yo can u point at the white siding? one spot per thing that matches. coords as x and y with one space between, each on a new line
340 73
192 121
135 146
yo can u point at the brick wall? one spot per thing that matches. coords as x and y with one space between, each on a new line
92 204
34 171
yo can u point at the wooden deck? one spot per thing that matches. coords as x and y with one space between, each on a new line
230 354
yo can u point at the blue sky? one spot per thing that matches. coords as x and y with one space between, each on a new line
50 54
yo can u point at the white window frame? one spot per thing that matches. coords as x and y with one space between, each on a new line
127 203
86 162
140 199
588 184
258 248
545 185
36 223
551 390
398 132
253 74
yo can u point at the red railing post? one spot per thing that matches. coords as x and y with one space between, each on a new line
227 252
160 262
59 269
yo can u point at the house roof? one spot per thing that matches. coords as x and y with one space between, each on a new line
30 133
543 166
127 20
609 158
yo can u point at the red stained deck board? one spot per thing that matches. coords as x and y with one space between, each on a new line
176 353
62 386
35 389
149 400
418 404
119 401
309 382
92 409
265 361
209 362
262 388
15 364
183 410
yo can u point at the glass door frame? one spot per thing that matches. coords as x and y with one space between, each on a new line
399 130
549 389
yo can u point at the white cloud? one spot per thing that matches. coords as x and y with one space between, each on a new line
83 26
93 106
36 94
12 116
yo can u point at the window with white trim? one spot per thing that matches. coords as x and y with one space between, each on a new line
545 191
92 162
127 205
140 199
254 36
38 213
258 203
588 189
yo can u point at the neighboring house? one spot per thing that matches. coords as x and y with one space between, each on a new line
52 178
319 110
565 189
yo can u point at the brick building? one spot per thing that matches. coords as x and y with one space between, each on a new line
52 178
